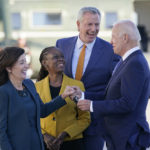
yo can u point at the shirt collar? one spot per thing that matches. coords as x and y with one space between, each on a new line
129 52
88 45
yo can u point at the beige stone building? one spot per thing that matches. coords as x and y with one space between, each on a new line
42 22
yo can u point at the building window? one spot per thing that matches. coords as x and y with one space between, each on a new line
16 21
110 18
41 18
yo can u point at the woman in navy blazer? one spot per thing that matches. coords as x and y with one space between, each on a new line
20 105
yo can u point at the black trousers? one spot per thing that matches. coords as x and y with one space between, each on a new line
72 145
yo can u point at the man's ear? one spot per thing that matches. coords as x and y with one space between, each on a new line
125 38
78 25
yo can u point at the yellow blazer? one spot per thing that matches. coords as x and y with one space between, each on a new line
68 118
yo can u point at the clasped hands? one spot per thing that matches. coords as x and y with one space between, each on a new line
53 143
75 91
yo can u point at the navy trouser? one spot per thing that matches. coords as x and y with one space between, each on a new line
93 142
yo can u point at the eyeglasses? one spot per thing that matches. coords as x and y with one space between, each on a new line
22 93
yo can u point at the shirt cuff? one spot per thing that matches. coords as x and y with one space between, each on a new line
91 106
82 96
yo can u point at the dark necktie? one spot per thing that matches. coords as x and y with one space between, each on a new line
117 66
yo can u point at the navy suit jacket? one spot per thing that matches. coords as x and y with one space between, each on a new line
96 75
125 105
14 124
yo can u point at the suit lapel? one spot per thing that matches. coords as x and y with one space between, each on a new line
96 55
70 51
63 85
115 75
46 91
29 88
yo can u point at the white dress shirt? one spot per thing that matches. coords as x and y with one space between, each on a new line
127 54
76 54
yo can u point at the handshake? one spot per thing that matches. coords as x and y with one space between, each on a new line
75 94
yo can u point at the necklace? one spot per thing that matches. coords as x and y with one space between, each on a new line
22 93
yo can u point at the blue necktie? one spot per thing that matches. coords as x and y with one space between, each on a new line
117 66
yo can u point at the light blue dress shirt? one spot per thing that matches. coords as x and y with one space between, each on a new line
76 54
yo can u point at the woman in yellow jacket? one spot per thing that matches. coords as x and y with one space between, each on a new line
62 130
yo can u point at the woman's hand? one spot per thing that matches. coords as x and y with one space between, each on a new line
48 139
68 91
59 140
77 92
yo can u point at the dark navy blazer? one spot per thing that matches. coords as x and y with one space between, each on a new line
14 124
125 105
96 75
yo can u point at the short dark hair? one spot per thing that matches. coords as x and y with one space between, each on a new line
8 57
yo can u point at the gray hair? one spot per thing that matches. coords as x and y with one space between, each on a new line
84 10
128 27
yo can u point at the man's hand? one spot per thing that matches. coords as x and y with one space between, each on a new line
84 105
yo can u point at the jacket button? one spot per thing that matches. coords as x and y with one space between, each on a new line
54 118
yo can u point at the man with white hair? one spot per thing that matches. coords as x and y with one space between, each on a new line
126 94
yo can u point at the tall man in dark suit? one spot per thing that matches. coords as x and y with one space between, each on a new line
99 61
126 94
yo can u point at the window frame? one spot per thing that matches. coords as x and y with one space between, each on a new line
55 26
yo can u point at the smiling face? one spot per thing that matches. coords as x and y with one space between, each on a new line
54 62
18 70
88 27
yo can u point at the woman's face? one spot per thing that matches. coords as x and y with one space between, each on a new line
19 69
54 62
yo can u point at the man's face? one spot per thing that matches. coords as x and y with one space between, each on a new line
88 27
117 41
